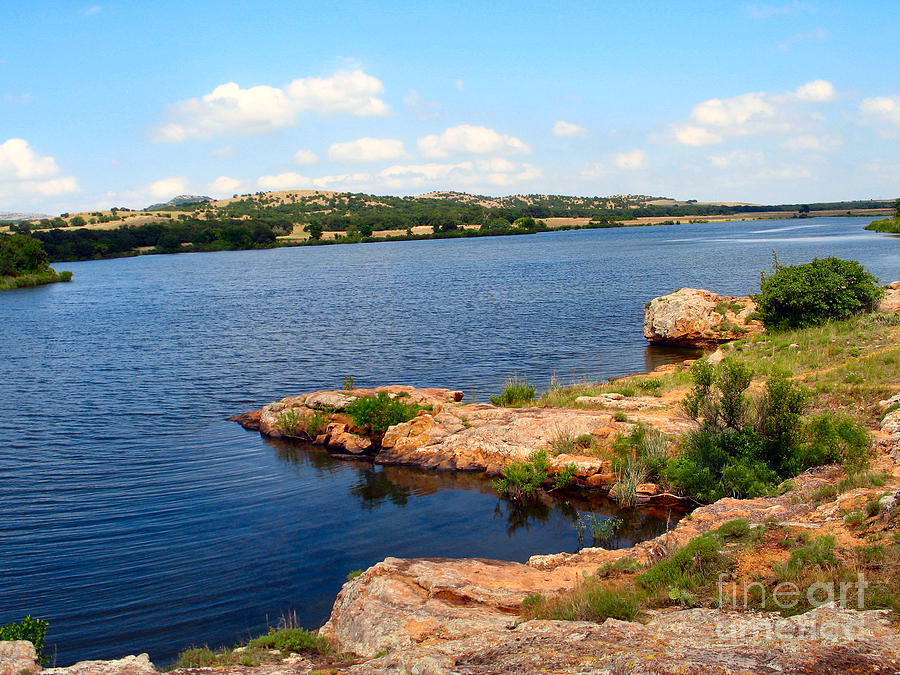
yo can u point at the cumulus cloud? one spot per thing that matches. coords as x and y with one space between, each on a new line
882 112
467 138
635 159
418 106
303 156
563 128
817 90
224 185
230 109
25 175
753 113
367 150
166 188
283 181
491 172
737 158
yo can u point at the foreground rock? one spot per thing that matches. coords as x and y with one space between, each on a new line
890 303
826 640
698 317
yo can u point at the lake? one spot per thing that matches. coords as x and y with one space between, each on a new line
135 518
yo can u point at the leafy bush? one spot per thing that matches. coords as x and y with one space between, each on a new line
20 254
380 412
515 392
31 629
798 296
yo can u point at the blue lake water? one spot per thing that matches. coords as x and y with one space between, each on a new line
135 518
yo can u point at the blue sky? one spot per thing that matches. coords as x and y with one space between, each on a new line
127 103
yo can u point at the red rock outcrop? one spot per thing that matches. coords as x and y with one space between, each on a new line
693 316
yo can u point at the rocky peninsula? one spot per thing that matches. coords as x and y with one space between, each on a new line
477 616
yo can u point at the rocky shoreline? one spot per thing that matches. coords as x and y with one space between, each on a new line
441 616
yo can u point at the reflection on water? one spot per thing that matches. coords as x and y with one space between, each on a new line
376 485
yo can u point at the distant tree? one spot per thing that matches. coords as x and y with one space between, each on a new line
77 221
20 254
803 210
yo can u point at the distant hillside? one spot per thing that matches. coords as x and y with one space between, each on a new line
9 217
179 201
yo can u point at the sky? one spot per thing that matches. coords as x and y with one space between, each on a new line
130 103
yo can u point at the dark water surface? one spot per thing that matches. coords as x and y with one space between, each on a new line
134 518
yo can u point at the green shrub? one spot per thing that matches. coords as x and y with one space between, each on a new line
31 629
734 529
515 392
198 657
832 438
522 480
694 565
353 574
380 412
799 296
65 275
291 640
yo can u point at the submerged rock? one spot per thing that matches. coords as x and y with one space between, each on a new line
693 316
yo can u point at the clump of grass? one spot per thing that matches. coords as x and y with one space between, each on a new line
590 600
620 417
522 481
353 574
735 529
291 640
861 479
563 442
819 553
624 564
516 393
694 565
302 424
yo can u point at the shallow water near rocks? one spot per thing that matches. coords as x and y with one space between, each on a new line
135 518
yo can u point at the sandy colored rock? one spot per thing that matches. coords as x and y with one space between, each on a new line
689 317
826 640
129 665
620 402
891 422
890 303
17 657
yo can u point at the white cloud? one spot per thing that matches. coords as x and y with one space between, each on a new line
166 188
563 128
466 138
635 159
881 109
753 113
345 181
224 185
817 90
811 142
92 10
486 173
418 106
25 175
817 35
283 181
460 85
303 156
367 150
229 109
689 134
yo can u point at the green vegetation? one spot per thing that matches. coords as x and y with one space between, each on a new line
891 225
589 601
259 651
516 393
31 629
380 412
353 574
24 263
302 424
746 448
799 296
522 481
